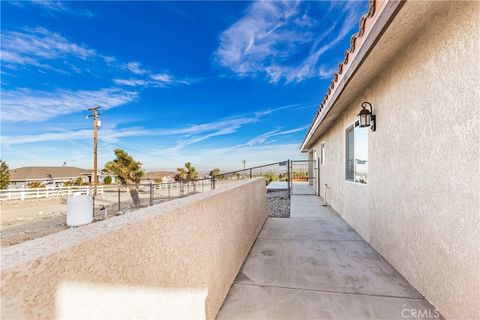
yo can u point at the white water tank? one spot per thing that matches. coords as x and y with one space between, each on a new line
79 210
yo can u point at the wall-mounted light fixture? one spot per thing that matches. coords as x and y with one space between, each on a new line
366 118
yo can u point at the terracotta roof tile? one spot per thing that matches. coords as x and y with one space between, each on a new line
365 20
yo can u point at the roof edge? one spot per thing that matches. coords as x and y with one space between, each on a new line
358 41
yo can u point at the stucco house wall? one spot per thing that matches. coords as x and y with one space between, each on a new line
175 260
420 208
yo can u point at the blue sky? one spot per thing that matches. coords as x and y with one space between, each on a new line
208 82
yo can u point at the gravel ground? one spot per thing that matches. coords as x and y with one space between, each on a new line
278 204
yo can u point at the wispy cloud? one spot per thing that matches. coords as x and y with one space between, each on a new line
32 105
162 77
53 7
166 79
187 135
221 132
50 51
190 134
131 82
282 41
227 158
156 80
36 46
291 107
262 138
135 68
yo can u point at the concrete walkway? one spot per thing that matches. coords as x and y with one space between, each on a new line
314 266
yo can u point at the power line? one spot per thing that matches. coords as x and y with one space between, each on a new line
140 151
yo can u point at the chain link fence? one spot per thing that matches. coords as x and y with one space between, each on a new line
272 172
277 177
120 199
30 213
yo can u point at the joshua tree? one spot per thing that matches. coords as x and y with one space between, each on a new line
79 181
188 173
215 172
4 175
128 171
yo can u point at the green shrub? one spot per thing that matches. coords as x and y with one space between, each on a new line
107 180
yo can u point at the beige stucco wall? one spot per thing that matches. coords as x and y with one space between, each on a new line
420 209
175 260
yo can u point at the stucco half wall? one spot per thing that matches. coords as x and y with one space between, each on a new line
175 260
420 208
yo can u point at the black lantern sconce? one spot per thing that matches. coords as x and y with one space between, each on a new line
366 118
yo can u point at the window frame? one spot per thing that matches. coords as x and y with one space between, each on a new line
347 130
352 128
322 153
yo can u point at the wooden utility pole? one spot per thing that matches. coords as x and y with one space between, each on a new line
95 114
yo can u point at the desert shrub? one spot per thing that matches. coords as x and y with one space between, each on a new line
35 184
270 176
107 180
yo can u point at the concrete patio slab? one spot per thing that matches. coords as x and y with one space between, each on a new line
257 302
304 206
315 266
302 188
339 266
328 227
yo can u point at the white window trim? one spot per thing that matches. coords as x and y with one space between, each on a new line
345 155
322 153
345 152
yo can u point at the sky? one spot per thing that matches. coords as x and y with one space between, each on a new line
213 83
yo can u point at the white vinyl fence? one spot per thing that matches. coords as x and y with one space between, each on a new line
32 193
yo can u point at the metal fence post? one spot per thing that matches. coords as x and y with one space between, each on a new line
213 183
251 174
318 176
288 177
168 187
181 188
93 204
119 206
151 193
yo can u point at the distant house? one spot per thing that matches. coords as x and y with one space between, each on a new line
50 176
158 176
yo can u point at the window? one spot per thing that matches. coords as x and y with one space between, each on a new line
356 160
361 154
349 165
322 154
